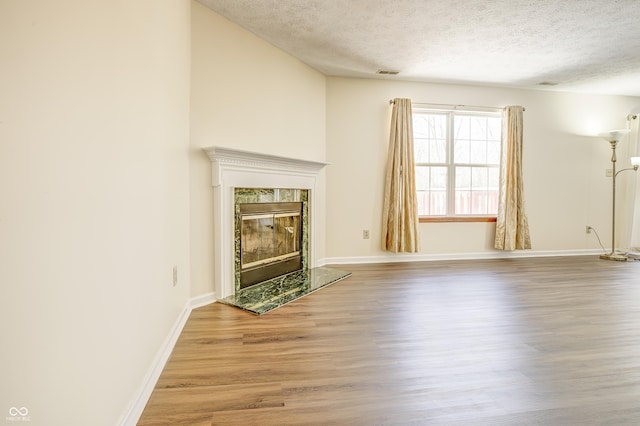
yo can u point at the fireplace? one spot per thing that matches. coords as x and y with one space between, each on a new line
270 240
240 177
266 215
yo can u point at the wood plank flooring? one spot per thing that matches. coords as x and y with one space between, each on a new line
538 341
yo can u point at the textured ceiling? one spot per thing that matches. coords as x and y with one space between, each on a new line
590 46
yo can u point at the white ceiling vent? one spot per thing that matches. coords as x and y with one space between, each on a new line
387 72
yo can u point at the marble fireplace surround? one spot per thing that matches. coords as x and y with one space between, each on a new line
230 169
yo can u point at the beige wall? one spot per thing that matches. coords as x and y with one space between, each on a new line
564 166
248 95
94 196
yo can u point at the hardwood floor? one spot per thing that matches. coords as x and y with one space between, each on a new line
539 341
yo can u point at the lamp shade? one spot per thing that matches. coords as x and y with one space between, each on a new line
614 135
635 161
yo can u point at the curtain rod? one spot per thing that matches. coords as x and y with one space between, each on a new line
446 106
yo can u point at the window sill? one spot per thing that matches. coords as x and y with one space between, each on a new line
457 219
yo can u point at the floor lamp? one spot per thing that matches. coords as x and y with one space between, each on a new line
614 137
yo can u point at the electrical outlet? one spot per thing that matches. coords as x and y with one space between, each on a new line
175 276
608 173
588 229
365 234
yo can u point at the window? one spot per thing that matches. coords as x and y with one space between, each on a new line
457 159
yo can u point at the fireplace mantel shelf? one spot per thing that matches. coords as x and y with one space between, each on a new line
254 160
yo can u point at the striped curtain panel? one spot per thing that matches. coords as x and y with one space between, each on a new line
512 227
400 209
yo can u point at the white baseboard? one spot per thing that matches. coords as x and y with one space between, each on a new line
420 257
143 394
203 300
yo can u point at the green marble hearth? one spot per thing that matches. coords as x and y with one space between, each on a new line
266 296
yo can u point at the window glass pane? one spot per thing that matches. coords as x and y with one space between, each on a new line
423 207
476 190
438 203
478 152
420 150
438 151
438 178
494 178
461 127
429 138
422 189
493 187
494 128
438 191
420 126
478 128
461 139
463 193
461 151
438 126
431 190
422 178
463 178
420 138
463 202
479 178
493 152
492 202
479 202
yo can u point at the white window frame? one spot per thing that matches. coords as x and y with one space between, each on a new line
450 111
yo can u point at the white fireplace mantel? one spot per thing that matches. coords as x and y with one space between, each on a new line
233 168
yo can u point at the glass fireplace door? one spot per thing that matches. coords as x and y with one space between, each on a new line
270 241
